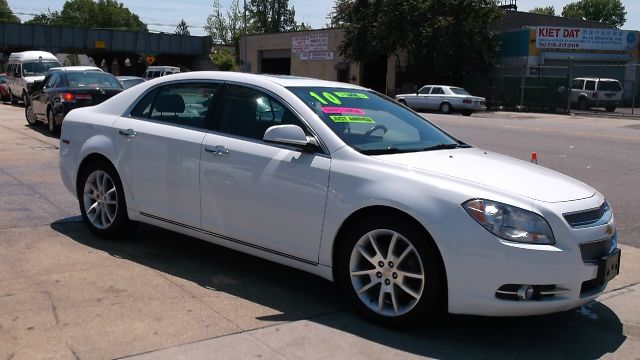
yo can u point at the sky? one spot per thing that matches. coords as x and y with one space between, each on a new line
163 15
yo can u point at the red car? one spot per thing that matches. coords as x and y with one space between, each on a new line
4 89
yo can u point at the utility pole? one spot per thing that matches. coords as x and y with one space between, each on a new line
245 66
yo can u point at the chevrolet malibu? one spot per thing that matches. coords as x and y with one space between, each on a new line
342 182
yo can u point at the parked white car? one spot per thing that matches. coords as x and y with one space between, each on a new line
596 92
336 180
446 99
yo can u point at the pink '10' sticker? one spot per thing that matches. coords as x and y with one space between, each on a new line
342 110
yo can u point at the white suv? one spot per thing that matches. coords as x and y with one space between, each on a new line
595 92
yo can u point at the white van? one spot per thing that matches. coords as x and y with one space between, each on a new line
158 71
24 68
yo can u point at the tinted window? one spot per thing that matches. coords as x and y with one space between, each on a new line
53 81
459 91
249 113
590 85
92 79
179 104
369 122
606 85
424 90
577 84
437 91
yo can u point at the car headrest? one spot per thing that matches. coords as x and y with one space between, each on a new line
170 103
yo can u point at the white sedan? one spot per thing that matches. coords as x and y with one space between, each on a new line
339 181
446 99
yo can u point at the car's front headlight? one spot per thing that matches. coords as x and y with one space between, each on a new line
510 222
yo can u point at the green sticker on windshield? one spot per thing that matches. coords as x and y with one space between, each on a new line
351 119
351 95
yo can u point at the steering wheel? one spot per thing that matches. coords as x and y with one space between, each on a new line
376 128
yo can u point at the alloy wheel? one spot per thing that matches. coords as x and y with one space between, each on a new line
100 199
386 272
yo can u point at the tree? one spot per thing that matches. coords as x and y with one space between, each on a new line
71 60
223 58
546 10
445 41
271 16
610 12
225 29
6 15
182 28
92 14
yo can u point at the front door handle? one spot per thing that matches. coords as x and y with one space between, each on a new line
128 133
217 150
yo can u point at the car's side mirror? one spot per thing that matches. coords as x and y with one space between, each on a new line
290 135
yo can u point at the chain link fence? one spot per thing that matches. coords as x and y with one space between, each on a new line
562 87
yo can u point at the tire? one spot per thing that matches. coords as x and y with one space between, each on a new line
13 99
610 108
25 99
105 218
51 122
445 108
582 104
466 113
375 280
30 115
403 102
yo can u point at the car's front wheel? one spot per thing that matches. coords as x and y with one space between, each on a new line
102 201
391 271
30 115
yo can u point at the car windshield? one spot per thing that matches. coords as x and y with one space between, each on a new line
604 85
37 68
93 80
459 91
371 123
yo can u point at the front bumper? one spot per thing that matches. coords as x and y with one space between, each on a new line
477 266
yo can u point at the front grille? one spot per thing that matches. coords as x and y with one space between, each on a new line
589 217
594 250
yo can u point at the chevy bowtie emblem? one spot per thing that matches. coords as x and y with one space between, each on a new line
609 230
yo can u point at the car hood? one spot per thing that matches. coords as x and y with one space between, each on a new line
496 171
31 79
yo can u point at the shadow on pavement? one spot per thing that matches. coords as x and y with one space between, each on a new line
589 332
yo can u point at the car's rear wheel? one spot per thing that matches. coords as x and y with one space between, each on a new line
102 201
30 115
51 121
582 104
610 108
391 271
445 108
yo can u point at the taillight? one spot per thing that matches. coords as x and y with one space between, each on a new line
466 101
67 97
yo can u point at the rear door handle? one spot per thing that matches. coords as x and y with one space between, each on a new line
217 150
128 133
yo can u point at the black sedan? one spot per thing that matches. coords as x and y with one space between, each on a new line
63 91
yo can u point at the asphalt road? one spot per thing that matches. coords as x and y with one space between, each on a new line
155 294
602 152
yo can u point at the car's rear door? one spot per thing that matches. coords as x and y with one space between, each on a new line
263 195
159 150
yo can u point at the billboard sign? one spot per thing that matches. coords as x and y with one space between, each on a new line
561 38
313 42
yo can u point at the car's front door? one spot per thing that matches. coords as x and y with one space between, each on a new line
263 195
421 98
40 97
159 150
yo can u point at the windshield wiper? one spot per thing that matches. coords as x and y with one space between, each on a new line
387 150
444 147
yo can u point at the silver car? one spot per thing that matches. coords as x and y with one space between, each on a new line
446 99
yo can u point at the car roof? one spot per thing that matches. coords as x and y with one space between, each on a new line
595 78
282 80
447 86
75 68
32 55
